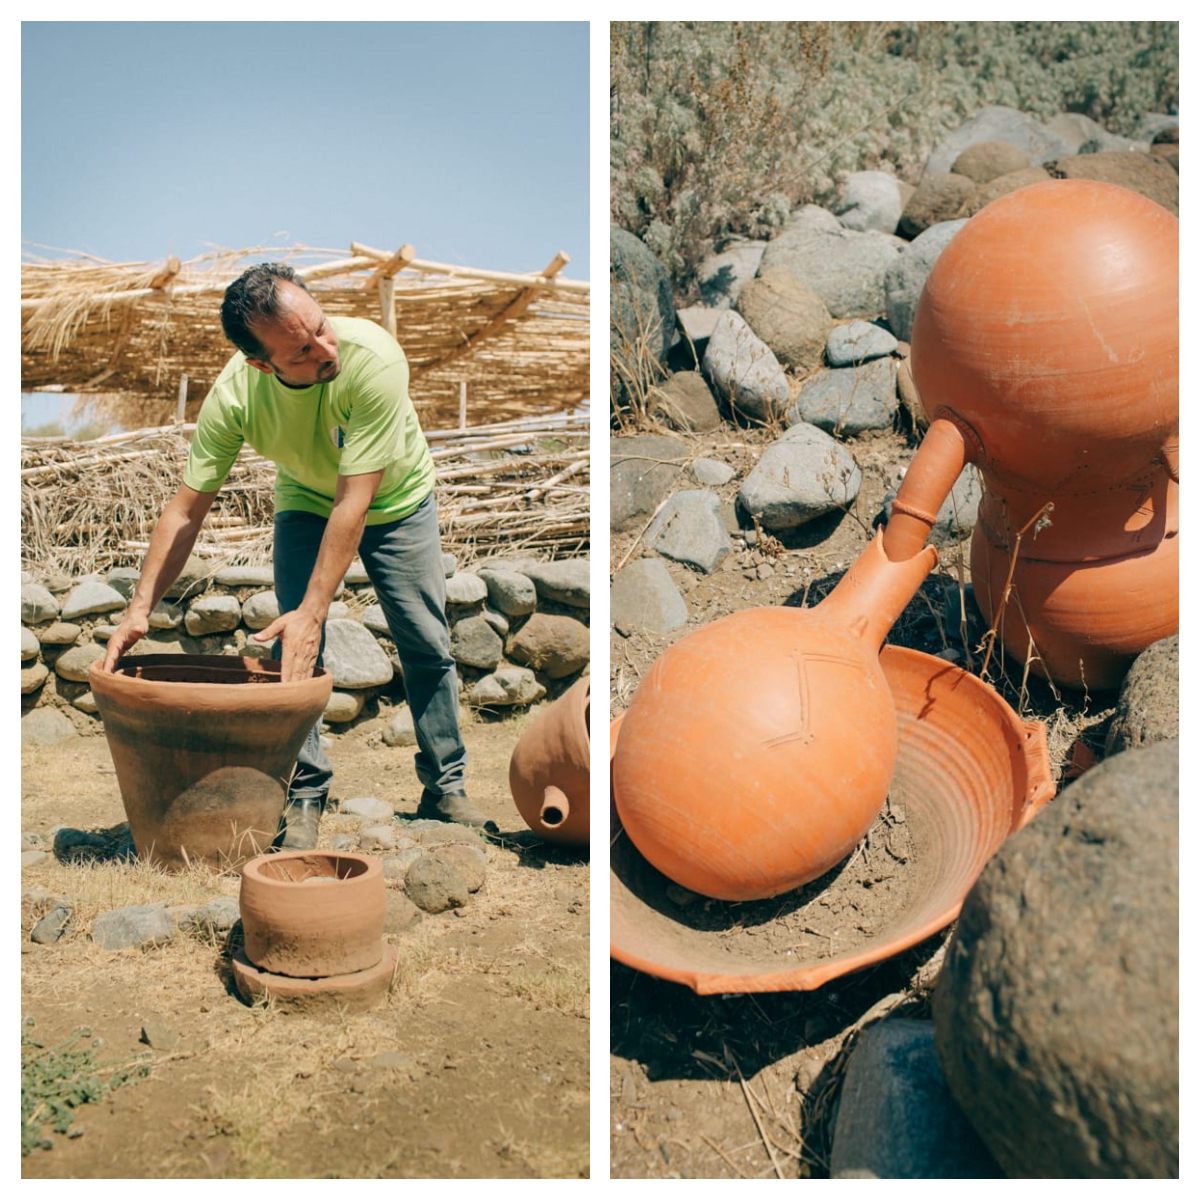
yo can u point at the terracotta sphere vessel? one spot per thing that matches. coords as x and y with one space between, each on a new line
758 750
204 746
549 774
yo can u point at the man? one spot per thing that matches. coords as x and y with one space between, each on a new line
326 399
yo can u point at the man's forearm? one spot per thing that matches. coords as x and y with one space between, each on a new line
170 544
343 532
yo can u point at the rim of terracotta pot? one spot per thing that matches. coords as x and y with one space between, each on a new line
230 676
263 868
1002 737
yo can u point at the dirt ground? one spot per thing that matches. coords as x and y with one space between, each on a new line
487 1019
746 1086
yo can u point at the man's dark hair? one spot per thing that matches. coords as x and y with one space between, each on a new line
254 296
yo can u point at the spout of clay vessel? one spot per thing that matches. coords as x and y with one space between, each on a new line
948 446
875 591
555 808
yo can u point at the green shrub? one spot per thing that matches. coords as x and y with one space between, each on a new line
720 129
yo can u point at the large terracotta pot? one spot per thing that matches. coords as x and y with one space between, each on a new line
548 774
1045 348
969 772
204 746
313 913
758 750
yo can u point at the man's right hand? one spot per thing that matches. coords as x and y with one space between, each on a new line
131 630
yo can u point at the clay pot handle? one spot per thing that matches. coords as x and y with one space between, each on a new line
555 807
1170 458
948 446
1039 783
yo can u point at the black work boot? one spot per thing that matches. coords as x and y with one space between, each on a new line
454 806
299 824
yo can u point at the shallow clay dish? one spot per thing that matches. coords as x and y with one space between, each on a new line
969 772
313 913
351 993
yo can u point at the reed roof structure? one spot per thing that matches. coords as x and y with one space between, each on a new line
519 342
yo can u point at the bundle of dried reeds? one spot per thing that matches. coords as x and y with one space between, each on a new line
519 485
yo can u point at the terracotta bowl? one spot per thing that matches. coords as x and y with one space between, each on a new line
969 772
310 914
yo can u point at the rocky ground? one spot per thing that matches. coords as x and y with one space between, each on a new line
476 1065
762 422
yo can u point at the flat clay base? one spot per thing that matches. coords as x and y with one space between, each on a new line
356 992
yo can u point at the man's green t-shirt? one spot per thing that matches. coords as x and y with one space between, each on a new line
360 422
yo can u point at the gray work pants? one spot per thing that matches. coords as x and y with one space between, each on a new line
404 562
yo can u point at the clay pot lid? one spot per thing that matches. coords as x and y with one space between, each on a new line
223 677
969 773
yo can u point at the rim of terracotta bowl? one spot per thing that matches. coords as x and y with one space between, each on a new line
237 675
258 868
1024 740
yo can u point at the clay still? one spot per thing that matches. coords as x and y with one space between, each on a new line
204 746
313 927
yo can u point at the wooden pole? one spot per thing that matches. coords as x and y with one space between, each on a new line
181 403
462 404
387 302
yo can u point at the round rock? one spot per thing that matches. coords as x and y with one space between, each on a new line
30 646
91 596
685 401
985 161
642 471
556 646
73 664
32 677
567 581
509 593
61 633
788 315
743 369
507 687
435 885
802 475
847 401
213 614
857 342
1056 1013
644 599
689 529
464 590
711 472
938 198
400 730
37 604
1148 706
474 643
870 200
469 861
165 615
354 657
906 276
343 706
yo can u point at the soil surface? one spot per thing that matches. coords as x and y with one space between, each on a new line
747 1086
476 1066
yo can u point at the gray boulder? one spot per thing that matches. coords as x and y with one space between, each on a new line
212 614
53 925
848 400
400 730
906 277
802 475
644 599
1083 135
711 472
641 307
689 529
870 200
474 643
896 1118
465 590
123 580
743 370
498 621
507 687
356 574
721 277
354 657
372 838
555 646
566 581
61 633
697 324
642 471
30 646
373 619
37 604
46 727
938 198
91 596
997 123
509 592
1148 706
857 342
985 161
1056 1013
845 268
788 315
343 707
260 610
256 577
139 925
32 678
74 663
685 401
191 581
165 615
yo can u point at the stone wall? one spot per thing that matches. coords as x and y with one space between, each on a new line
519 632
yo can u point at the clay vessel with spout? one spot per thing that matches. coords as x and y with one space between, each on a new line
1045 349
204 746
758 750
548 773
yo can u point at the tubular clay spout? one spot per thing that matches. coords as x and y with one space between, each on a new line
948 446
876 590
556 807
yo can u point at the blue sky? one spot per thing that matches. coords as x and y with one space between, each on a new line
469 141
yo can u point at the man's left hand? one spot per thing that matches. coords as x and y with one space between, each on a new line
300 633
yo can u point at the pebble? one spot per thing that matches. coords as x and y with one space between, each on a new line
400 729
138 925
158 1035
53 925
711 472
367 807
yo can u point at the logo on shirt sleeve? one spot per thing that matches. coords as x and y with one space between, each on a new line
337 436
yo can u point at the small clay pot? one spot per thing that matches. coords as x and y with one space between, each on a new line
312 914
548 774
969 772
758 750
335 993
204 746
